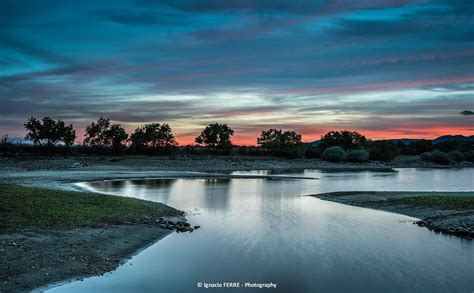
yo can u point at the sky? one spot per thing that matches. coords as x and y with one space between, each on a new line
388 69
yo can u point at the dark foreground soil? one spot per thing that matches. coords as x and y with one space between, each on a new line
33 259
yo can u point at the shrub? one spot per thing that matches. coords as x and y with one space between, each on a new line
457 156
440 157
357 156
426 156
382 150
469 156
334 154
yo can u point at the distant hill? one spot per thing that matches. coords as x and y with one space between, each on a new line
405 141
408 141
453 138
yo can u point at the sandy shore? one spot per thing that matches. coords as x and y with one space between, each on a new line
446 212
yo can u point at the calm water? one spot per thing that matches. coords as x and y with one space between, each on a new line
262 230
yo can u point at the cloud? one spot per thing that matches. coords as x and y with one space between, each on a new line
467 112
302 65
147 18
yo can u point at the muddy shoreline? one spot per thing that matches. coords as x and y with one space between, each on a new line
437 211
58 172
45 258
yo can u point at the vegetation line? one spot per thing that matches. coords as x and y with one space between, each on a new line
103 137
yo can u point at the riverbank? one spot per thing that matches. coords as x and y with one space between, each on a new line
49 236
445 212
204 163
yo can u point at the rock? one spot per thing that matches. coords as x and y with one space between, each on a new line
185 224
76 165
197 227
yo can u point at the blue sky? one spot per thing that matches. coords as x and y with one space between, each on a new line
385 68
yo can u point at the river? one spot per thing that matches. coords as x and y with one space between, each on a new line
261 230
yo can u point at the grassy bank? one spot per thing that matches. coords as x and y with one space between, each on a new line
30 208
48 236
447 212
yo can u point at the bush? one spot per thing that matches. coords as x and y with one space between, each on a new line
312 152
422 146
469 156
426 156
334 154
357 156
440 157
382 150
457 156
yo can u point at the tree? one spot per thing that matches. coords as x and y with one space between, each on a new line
153 135
50 131
282 142
138 138
382 150
117 135
348 140
159 135
104 134
216 136
69 135
96 133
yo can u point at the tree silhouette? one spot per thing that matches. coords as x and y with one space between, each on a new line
104 134
96 133
153 135
348 140
216 136
50 131
281 142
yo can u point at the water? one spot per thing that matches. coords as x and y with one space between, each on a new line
267 230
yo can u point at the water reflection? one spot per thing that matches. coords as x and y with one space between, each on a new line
217 192
262 230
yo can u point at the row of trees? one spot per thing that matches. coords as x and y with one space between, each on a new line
217 138
102 133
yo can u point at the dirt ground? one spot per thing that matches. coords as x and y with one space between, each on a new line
29 260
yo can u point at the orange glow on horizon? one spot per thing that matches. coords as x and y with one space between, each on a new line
411 133
250 139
